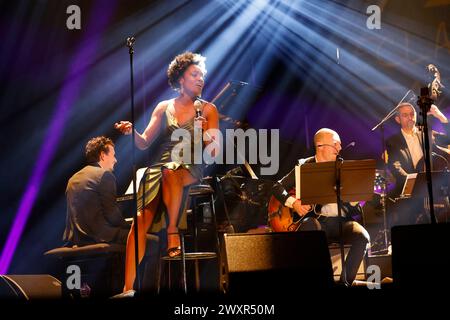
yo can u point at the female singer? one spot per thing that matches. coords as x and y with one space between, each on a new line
165 179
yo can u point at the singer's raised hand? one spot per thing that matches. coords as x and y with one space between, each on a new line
124 127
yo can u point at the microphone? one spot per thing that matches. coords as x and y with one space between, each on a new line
198 113
130 41
351 144
198 124
198 106
412 100
339 155
197 98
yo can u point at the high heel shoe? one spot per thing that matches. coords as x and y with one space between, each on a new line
173 244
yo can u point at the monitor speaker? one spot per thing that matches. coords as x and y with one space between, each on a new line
421 255
270 261
40 286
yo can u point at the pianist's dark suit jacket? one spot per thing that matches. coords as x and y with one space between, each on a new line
93 215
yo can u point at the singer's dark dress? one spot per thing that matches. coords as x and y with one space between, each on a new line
150 185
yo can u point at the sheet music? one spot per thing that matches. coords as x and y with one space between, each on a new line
409 185
316 182
139 174
297 177
297 181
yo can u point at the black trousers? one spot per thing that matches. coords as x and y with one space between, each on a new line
353 234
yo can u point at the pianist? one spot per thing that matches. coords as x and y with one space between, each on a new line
93 215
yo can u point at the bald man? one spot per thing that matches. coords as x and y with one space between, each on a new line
328 145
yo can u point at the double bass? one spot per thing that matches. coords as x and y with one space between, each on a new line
435 85
441 205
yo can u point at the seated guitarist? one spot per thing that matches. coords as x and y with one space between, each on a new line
328 145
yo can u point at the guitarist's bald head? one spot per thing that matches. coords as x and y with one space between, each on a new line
324 135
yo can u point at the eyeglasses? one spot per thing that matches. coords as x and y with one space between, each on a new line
327 145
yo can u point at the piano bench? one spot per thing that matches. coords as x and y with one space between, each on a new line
101 269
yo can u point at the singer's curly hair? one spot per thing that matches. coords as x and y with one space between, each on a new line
179 65
95 146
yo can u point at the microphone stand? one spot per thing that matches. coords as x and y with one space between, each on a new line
337 165
383 148
130 43
425 102
391 113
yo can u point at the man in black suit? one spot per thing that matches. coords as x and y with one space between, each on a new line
328 145
405 155
93 215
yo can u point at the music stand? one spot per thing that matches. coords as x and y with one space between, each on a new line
408 186
317 181
236 97
129 193
139 175
230 91
233 101
334 182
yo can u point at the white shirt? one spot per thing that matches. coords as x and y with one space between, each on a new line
328 210
414 146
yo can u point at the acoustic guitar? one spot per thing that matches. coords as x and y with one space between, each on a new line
284 219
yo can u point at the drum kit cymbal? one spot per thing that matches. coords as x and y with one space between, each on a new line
254 192
238 188
381 181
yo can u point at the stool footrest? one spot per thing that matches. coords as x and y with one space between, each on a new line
88 250
193 256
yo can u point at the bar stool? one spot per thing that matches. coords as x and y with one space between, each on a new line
192 195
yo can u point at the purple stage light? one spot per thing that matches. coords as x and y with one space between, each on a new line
100 15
